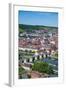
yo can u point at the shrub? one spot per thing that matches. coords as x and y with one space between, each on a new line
42 67
21 70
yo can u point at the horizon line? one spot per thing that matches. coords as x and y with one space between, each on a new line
39 25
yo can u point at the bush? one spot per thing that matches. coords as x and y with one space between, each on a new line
42 67
21 70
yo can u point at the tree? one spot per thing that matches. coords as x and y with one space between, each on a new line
28 60
42 56
42 67
33 59
38 57
21 71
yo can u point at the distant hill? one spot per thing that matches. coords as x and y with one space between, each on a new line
23 27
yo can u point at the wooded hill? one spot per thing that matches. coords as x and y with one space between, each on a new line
23 27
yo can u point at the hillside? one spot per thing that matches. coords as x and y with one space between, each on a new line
23 27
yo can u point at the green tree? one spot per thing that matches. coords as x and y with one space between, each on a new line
33 59
42 67
21 71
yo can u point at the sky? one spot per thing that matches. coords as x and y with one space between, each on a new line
38 18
